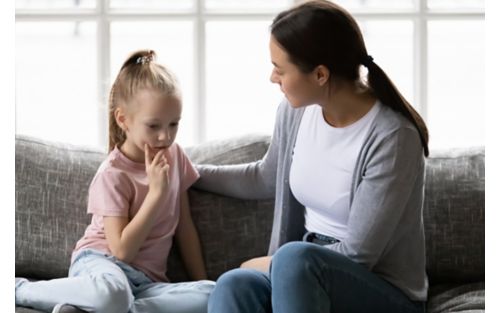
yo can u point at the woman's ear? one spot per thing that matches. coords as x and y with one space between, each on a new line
121 119
321 74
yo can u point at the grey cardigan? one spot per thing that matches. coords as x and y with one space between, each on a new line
385 226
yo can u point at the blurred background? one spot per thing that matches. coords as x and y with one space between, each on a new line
68 53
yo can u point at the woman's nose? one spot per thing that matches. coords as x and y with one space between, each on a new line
273 78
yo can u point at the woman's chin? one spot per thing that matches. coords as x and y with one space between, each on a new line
294 103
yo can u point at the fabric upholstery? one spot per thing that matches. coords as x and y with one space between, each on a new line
51 194
454 215
52 180
456 298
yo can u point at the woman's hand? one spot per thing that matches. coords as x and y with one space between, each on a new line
157 169
261 264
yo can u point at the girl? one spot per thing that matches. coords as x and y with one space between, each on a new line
139 201
346 167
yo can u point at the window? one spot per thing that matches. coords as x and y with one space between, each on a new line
68 53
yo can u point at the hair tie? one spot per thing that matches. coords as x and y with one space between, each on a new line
144 59
367 60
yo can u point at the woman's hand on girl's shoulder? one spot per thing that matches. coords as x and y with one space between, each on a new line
157 169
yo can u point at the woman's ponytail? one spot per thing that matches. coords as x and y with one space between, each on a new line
386 91
332 38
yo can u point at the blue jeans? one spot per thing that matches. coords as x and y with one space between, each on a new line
99 282
307 277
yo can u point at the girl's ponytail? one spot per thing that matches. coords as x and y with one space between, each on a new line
116 135
386 91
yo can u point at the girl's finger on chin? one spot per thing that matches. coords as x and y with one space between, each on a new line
157 157
146 154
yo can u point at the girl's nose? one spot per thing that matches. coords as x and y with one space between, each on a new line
164 136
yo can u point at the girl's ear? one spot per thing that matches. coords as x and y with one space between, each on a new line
321 74
121 119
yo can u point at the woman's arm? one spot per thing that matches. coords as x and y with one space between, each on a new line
256 180
383 196
187 239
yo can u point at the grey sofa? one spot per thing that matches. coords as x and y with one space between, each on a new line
51 191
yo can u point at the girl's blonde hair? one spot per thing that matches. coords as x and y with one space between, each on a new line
140 71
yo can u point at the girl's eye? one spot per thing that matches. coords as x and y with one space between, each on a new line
174 124
153 126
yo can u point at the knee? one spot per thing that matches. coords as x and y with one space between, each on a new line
112 296
241 290
294 253
294 258
238 281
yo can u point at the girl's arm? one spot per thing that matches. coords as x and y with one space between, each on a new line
187 240
125 237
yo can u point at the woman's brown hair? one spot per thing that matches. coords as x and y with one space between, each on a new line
320 32
140 71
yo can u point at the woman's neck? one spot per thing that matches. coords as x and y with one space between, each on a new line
346 103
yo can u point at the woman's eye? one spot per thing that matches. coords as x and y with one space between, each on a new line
174 124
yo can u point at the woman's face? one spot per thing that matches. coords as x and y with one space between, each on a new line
300 89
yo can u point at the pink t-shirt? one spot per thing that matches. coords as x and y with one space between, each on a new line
119 188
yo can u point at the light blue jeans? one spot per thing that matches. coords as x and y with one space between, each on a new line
98 282
307 277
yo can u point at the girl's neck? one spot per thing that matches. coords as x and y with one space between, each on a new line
344 104
131 151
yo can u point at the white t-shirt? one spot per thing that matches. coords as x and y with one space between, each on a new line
322 168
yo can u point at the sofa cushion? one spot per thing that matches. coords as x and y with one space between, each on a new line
454 215
52 182
447 298
236 150
231 230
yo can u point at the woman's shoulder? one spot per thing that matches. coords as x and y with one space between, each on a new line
390 132
388 121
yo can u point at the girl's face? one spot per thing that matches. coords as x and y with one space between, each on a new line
151 118
300 89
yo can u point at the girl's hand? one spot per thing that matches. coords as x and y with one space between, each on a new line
157 169
261 264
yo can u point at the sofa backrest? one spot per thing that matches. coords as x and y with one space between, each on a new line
454 215
52 182
51 195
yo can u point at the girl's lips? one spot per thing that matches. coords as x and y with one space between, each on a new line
158 149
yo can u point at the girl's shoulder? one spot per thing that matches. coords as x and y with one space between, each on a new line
112 170
178 153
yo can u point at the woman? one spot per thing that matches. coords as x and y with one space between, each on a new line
346 167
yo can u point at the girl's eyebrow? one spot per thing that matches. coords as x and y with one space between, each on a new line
155 119
275 64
